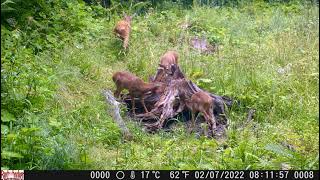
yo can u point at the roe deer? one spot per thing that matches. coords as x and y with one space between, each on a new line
201 102
122 30
135 86
163 77
167 60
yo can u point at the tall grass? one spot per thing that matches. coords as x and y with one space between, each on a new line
268 60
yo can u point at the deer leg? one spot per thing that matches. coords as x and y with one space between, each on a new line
209 123
206 131
210 120
207 118
133 105
214 125
213 119
126 42
144 106
117 92
192 121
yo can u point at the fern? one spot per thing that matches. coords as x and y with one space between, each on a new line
5 6
279 150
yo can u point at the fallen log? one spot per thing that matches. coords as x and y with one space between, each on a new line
115 112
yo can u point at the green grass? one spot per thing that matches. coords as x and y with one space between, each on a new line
76 132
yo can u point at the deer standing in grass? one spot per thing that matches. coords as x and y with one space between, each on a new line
201 102
136 87
122 30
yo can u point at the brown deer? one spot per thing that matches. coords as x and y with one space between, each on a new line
167 60
201 102
122 30
136 87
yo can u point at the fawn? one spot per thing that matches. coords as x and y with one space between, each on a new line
136 87
201 102
167 60
122 30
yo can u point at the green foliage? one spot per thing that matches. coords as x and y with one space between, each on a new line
6 6
57 56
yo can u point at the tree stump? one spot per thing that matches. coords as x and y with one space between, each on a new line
170 103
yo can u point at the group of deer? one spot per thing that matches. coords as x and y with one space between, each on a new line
199 102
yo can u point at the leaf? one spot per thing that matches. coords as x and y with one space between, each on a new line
205 80
51 38
134 28
4 9
12 136
4 129
183 165
5 6
29 130
310 166
278 149
55 123
197 74
7 2
9 155
6 116
205 166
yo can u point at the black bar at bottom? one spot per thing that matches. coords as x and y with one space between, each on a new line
170 174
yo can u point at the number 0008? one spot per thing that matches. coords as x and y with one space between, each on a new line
303 174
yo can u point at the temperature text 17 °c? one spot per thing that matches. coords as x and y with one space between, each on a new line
150 174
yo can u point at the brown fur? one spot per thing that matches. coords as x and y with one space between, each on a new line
122 30
168 59
135 86
202 102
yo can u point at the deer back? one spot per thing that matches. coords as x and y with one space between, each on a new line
168 59
146 87
200 101
126 80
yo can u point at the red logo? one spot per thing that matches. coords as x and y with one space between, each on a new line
12 174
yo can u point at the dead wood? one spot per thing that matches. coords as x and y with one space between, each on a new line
248 121
250 115
171 102
115 111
